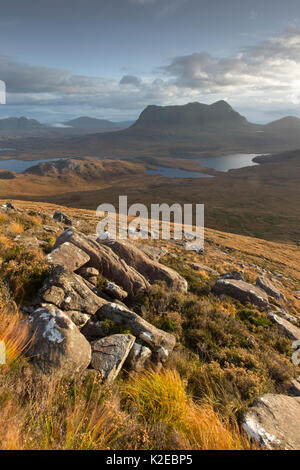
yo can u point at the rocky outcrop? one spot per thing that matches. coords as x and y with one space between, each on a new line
151 270
80 319
274 422
106 262
68 291
109 355
266 285
161 342
58 347
242 291
69 256
288 329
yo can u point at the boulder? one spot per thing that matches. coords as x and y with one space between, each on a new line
288 329
68 291
151 270
266 285
242 291
161 342
138 358
274 422
109 355
57 347
106 262
63 218
69 256
114 291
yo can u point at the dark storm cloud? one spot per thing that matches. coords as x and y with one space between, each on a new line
130 80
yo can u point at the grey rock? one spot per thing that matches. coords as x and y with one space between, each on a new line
288 329
109 355
114 291
242 291
274 422
294 387
138 358
58 347
80 319
232 275
161 342
63 218
202 267
68 291
94 329
69 256
268 287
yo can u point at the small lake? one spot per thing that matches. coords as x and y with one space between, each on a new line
18 166
176 173
228 162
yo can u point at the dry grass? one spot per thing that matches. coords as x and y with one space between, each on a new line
161 397
15 228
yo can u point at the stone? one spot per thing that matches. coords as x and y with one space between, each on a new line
289 330
80 319
274 422
268 287
202 267
58 347
232 275
152 252
94 329
294 387
160 341
242 291
138 358
109 355
114 291
69 256
68 291
63 218
151 270
106 262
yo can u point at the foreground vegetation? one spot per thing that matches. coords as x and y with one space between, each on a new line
226 355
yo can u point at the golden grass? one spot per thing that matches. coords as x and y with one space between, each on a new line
15 228
14 334
161 397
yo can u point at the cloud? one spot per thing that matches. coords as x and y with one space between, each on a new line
253 15
265 75
271 67
130 80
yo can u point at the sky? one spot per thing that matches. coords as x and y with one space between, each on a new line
110 59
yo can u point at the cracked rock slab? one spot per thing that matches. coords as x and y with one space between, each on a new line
109 355
274 422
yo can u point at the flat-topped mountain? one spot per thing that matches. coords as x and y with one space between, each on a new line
192 115
286 124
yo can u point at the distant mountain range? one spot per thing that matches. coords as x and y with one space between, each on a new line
93 124
190 129
16 124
